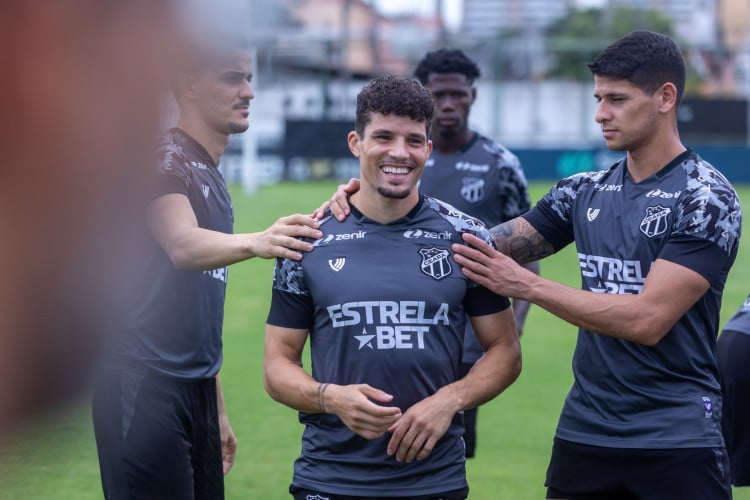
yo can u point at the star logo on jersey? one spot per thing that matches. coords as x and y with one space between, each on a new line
472 189
337 264
205 191
365 339
592 214
435 262
655 221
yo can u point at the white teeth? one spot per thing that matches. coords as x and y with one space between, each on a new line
395 170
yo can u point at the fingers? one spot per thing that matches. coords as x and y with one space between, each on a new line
411 441
229 450
320 212
375 394
352 186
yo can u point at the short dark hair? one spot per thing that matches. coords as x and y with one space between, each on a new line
446 61
394 95
645 58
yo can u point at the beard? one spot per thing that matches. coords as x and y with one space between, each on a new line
393 193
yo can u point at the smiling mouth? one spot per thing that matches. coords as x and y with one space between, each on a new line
390 169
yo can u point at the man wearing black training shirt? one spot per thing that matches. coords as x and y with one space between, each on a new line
385 311
161 427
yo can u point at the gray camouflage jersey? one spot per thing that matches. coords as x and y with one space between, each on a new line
627 395
385 304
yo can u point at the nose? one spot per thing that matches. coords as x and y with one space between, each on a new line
246 92
602 113
398 149
445 104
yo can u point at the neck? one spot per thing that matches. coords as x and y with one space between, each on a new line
382 209
645 161
448 144
214 142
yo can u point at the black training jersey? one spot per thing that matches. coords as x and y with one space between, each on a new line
626 394
385 305
740 322
176 325
485 180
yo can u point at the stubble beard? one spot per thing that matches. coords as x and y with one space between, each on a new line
393 193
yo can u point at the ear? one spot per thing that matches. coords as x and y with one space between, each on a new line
354 140
187 85
429 147
667 95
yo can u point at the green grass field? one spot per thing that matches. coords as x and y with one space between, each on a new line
56 457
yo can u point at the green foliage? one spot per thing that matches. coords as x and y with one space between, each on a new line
576 38
55 459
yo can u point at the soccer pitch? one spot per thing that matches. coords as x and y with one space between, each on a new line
56 458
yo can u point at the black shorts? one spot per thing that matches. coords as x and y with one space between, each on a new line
733 352
303 494
582 472
157 437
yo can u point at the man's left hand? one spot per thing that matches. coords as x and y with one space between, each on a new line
419 429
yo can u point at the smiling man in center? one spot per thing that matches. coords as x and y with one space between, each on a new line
385 311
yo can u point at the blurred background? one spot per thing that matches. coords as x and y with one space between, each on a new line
535 94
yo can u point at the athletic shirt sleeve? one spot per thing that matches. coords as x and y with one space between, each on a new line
552 216
478 301
291 302
173 174
707 225
512 186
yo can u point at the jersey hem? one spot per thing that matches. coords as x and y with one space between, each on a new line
647 444
377 490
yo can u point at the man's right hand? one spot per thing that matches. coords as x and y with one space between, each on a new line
338 203
354 405
281 239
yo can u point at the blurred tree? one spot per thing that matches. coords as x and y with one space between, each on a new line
577 37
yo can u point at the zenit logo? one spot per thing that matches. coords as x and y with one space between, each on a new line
430 235
658 193
608 187
339 237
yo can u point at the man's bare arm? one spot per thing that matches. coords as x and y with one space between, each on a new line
519 240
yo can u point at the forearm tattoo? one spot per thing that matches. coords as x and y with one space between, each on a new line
519 240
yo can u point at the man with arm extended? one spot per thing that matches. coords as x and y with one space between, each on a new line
161 426
656 235
385 313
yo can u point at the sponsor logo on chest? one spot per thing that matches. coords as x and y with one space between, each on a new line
325 240
389 324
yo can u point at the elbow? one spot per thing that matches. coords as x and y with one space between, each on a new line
180 258
648 331
516 366
268 384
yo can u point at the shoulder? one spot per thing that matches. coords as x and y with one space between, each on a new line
709 207
171 155
504 157
459 221
704 180
596 180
